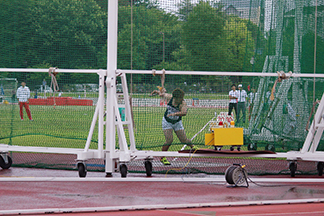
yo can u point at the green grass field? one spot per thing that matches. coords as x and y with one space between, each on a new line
68 126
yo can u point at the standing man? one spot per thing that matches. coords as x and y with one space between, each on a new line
233 100
23 95
242 95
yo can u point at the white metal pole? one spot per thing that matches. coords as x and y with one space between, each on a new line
92 127
111 80
219 73
101 107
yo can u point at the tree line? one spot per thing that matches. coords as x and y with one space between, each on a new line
73 34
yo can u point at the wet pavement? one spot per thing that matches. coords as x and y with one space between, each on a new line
17 193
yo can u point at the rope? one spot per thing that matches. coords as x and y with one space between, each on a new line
178 169
54 85
281 76
52 74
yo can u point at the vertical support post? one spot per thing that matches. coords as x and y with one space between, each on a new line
99 111
315 132
101 107
128 113
111 82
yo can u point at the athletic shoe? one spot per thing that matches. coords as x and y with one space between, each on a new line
31 119
194 148
165 161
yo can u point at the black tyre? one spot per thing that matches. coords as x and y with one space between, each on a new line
82 170
5 165
238 148
252 146
148 168
270 148
320 166
232 148
123 170
229 173
292 168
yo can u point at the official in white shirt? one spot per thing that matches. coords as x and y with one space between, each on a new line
23 95
242 95
233 100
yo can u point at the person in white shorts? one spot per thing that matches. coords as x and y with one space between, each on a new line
171 121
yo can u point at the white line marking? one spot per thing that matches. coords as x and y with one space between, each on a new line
151 207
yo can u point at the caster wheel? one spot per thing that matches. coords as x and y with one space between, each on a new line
123 170
3 163
252 146
292 168
320 166
270 148
232 148
82 169
148 168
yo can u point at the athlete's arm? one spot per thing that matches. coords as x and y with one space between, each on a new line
166 96
183 110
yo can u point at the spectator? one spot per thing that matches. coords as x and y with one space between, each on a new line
23 95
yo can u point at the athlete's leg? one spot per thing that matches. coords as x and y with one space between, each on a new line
168 134
181 134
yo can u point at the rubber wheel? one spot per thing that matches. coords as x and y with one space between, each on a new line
4 165
123 170
238 148
148 168
217 148
82 170
232 148
229 173
252 146
270 148
320 167
292 168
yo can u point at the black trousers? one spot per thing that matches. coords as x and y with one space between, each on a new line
230 108
240 108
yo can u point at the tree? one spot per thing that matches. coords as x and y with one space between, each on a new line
15 32
184 8
68 33
202 36
239 43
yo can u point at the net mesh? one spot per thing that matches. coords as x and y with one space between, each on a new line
181 35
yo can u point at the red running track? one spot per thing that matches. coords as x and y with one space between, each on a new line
84 198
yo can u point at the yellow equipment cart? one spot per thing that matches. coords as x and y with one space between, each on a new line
219 137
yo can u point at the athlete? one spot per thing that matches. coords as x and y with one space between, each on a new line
23 95
171 121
